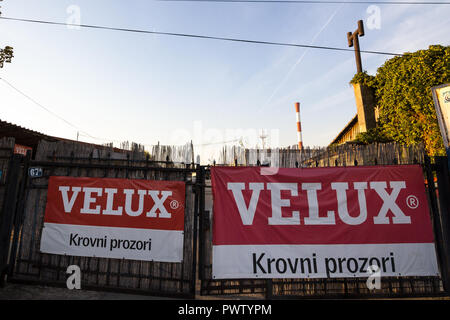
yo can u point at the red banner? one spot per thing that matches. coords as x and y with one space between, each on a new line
116 203
315 208
134 219
19 149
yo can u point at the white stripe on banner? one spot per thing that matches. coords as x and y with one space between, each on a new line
323 261
113 242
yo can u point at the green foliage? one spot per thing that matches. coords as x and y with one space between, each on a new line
6 55
403 93
373 135
364 79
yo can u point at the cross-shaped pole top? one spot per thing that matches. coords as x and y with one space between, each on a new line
353 40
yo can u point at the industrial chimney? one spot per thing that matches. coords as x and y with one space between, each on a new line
299 126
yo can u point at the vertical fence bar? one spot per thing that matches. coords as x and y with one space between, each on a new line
200 184
194 248
444 193
7 216
437 228
18 221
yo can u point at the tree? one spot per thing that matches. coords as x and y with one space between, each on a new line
5 54
373 135
403 94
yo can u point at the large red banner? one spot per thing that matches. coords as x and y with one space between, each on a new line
119 218
262 214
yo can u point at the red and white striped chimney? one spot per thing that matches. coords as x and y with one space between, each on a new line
299 126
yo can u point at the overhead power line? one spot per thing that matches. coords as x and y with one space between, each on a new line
84 133
197 36
39 105
318 2
81 132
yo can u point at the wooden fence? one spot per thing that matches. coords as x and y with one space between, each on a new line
75 160
6 150
179 155
344 155
27 263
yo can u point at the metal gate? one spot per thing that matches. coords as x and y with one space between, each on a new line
11 184
23 191
436 177
24 217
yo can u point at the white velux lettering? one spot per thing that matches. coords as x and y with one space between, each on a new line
133 205
312 217
247 213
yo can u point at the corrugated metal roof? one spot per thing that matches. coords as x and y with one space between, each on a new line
22 135
31 138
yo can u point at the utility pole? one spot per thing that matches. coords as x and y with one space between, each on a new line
353 41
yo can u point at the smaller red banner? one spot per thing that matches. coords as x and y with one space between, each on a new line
140 204
19 149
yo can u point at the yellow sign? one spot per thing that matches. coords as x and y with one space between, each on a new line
441 96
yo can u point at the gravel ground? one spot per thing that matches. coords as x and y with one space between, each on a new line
13 291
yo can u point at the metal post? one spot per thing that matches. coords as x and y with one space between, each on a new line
436 221
448 157
269 289
195 242
8 211
444 192
20 213
200 207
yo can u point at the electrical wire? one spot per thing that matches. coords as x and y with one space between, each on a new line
318 2
39 105
198 36
81 132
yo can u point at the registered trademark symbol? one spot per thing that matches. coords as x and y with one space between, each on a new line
174 204
412 202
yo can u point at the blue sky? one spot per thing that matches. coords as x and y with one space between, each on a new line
120 86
